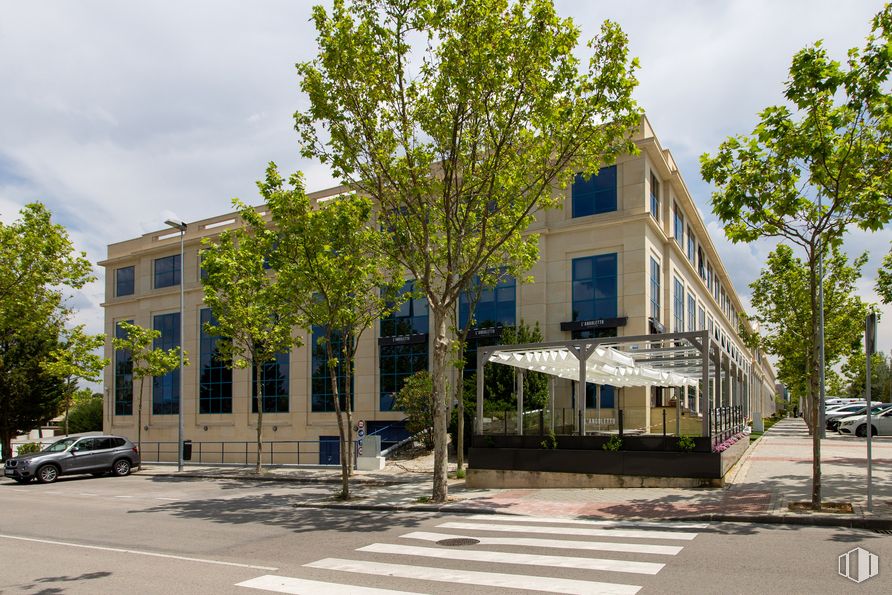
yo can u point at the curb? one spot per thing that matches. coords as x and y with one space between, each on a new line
767 519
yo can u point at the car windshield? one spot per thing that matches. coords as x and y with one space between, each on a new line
60 445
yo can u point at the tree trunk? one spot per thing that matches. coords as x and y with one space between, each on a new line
258 385
5 446
813 388
348 402
460 422
142 380
332 363
439 366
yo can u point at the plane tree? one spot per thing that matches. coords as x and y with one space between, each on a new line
252 314
328 263
144 360
39 267
462 121
812 168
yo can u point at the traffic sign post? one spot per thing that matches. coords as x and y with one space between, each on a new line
870 341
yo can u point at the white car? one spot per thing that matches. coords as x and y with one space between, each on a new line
881 424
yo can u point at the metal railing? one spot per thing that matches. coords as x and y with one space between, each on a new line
725 422
539 422
305 453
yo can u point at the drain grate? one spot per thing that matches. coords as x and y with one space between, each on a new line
457 541
883 531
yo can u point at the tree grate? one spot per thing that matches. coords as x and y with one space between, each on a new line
457 541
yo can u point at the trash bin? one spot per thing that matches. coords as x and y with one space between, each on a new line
187 450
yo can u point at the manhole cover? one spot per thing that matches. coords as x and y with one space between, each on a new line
458 541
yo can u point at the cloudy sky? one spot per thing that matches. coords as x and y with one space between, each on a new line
116 113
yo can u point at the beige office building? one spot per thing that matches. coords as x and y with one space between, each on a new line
628 255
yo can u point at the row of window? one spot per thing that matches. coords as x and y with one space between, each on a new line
694 252
594 296
686 318
167 272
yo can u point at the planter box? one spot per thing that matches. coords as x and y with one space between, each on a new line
647 443
595 461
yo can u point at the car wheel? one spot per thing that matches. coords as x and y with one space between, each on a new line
47 474
861 431
121 467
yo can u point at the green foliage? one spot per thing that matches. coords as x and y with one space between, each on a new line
614 444
810 170
884 279
459 154
28 448
77 359
550 441
147 361
253 315
782 303
86 415
29 395
855 371
686 443
499 382
38 266
415 399
329 264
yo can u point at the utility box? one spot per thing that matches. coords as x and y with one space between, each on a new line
370 459
187 450
371 446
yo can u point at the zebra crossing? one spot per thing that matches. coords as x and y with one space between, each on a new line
503 552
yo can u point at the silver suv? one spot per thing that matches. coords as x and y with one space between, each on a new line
91 454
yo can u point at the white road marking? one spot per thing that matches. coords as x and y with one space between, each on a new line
299 586
509 558
604 546
137 552
170 499
124 496
469 577
624 533
88 494
600 523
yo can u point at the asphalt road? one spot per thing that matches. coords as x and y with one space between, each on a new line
145 534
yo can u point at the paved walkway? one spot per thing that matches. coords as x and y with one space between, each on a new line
774 472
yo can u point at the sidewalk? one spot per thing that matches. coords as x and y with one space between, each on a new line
773 473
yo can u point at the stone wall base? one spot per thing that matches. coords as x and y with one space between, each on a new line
498 478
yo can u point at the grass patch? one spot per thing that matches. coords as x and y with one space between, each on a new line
424 500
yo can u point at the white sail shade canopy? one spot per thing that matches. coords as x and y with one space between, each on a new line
605 365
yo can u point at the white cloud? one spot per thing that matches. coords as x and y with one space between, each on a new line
112 113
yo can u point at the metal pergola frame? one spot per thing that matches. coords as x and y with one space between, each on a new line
695 355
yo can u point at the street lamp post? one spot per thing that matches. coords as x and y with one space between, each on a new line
180 225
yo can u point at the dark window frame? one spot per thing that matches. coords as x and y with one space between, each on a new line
127 283
167 275
123 375
214 372
595 195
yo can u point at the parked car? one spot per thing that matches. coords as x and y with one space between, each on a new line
830 417
833 422
89 454
880 422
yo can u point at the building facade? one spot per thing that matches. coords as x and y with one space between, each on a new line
628 255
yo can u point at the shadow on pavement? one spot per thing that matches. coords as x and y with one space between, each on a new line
278 510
